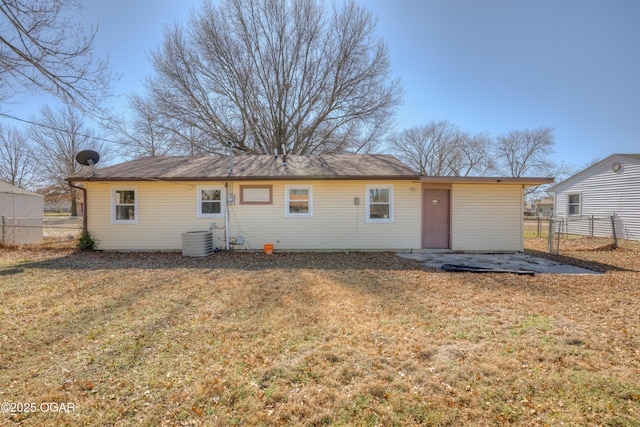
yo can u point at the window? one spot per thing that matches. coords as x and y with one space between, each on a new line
210 202
574 204
379 203
298 201
255 195
124 202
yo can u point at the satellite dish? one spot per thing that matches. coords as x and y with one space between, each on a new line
88 157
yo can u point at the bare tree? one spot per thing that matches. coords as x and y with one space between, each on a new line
43 48
143 135
526 152
475 155
441 149
260 74
16 160
59 137
529 152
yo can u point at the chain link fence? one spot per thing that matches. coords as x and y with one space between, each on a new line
590 232
536 226
38 230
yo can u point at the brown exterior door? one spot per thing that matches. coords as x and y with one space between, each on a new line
435 218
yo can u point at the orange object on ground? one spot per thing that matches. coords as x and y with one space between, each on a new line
268 249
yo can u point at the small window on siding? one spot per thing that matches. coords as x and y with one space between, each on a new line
210 202
379 207
255 195
298 201
124 205
574 204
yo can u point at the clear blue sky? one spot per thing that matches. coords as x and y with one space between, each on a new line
496 65
486 66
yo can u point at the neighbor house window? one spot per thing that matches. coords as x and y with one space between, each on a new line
124 205
298 201
210 202
379 203
574 204
255 195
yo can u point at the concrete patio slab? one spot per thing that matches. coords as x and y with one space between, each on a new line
515 261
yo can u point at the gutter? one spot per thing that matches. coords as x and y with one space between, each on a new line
526 181
255 178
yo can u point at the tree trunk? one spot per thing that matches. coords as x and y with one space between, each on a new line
74 205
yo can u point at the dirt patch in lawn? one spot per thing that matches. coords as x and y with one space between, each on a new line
311 339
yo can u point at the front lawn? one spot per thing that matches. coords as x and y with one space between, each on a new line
312 339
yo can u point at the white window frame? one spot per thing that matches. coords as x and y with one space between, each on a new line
569 204
136 211
287 189
223 198
368 204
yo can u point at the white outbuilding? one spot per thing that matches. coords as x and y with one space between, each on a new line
21 214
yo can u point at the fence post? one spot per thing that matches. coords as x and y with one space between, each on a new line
591 225
539 225
3 228
550 236
613 229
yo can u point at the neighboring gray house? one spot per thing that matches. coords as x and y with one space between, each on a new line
21 215
610 187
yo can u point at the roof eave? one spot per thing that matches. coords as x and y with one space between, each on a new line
526 181
247 178
631 157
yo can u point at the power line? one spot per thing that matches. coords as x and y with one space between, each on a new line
31 122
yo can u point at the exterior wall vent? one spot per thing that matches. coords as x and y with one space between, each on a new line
197 243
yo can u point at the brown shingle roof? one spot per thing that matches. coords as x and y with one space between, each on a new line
255 167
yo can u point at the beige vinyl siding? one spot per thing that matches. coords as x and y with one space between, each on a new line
337 222
487 217
167 209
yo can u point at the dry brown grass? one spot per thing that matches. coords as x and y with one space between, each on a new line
594 253
314 339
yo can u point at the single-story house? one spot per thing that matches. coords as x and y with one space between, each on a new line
21 215
315 202
608 188
542 206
